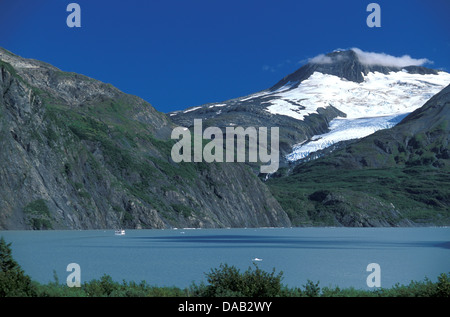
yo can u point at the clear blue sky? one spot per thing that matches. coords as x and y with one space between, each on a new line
181 53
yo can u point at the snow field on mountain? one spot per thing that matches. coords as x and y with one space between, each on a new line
370 106
379 94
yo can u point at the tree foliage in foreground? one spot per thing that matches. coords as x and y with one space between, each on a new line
13 281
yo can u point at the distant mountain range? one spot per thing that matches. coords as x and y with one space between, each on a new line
396 176
336 97
80 154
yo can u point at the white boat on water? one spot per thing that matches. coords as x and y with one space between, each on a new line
120 232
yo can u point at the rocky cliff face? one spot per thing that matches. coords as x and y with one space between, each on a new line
77 153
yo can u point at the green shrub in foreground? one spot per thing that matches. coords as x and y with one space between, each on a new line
229 281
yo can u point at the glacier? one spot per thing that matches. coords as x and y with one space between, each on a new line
379 102
343 130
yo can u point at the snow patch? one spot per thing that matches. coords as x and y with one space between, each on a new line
192 109
378 95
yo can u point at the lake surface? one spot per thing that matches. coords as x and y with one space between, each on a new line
333 256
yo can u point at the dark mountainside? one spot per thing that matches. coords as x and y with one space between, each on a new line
250 112
77 153
394 177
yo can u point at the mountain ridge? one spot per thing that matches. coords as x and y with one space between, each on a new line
329 89
80 154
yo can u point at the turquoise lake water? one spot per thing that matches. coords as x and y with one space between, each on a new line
332 256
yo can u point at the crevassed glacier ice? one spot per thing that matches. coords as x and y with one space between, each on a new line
343 130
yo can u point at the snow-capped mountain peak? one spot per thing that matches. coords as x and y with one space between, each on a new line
353 65
343 95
